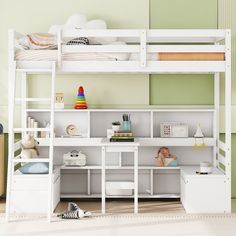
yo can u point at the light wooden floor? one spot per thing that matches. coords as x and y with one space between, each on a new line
125 206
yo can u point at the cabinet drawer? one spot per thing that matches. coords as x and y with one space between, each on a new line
204 195
29 201
30 183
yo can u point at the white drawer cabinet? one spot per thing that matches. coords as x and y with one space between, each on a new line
203 193
30 193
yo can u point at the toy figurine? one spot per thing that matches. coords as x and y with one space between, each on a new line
164 158
80 100
199 135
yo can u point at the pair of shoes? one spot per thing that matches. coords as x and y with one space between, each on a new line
74 212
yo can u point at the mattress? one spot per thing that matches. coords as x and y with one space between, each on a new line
181 56
190 56
51 55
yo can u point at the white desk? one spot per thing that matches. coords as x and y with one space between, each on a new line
119 147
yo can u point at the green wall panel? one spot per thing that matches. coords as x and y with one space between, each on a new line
182 14
166 89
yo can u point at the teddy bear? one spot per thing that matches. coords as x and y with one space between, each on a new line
28 147
164 158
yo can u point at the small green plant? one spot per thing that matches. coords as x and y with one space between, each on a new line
116 123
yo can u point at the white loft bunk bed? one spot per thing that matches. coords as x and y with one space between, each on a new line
151 46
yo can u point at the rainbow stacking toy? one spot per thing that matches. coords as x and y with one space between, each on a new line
80 99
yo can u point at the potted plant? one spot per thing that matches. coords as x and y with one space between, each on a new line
116 125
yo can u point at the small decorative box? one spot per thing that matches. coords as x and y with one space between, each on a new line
174 130
74 158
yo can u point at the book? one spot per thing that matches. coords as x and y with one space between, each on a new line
123 134
121 140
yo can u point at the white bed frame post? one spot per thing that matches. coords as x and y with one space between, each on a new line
228 117
59 48
11 115
143 48
103 179
216 117
11 135
51 141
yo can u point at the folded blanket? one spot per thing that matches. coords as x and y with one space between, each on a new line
38 41
42 41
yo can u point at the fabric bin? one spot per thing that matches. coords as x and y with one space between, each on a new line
120 188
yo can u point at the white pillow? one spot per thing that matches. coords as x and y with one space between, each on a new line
54 28
76 21
99 24
121 56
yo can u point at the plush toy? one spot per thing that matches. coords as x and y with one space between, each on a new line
164 158
28 147
74 212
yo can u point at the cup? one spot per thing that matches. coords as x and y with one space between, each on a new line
126 125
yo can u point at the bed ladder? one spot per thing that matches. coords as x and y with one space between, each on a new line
12 159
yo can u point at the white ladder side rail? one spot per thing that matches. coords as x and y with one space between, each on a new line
228 117
51 144
11 136
23 103
59 48
216 117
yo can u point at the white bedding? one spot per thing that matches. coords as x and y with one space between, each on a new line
51 55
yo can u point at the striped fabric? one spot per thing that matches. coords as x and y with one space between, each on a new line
42 41
51 55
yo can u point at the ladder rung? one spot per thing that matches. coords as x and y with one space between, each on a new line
38 110
31 129
33 99
31 160
35 70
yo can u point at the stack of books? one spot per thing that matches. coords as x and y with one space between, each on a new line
122 136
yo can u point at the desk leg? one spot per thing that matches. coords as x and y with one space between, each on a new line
103 180
136 180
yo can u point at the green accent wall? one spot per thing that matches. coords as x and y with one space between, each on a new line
182 14
168 89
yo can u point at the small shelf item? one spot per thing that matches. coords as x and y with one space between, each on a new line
116 125
29 147
80 99
126 125
71 130
165 158
199 135
59 101
119 188
174 130
74 158
205 167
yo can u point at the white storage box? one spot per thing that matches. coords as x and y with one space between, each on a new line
119 188
74 158
29 193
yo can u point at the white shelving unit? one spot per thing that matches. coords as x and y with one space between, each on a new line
155 182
